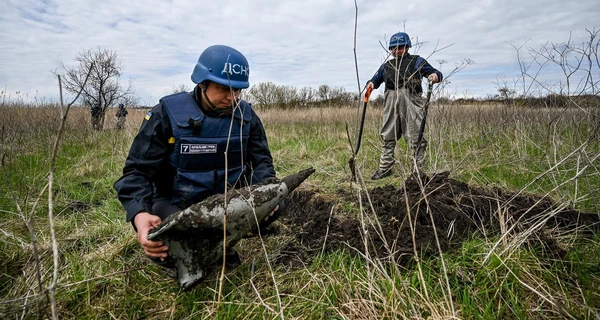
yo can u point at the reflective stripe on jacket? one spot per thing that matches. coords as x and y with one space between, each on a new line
201 143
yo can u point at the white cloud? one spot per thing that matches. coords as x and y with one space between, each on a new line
297 43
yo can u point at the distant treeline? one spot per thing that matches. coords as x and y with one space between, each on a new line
270 95
549 101
285 97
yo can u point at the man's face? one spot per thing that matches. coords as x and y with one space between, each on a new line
221 96
398 51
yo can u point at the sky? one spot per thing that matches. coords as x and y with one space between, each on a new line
298 43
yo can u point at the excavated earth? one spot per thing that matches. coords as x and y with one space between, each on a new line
444 211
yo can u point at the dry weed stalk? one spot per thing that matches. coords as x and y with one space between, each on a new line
52 288
545 218
540 291
225 204
437 241
49 292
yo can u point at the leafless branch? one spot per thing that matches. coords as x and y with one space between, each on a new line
95 78
52 287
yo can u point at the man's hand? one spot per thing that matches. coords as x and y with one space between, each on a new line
144 222
370 85
433 78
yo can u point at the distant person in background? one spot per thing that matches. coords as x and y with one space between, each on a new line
178 157
96 112
121 116
404 102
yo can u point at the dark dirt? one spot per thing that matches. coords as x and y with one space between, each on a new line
457 211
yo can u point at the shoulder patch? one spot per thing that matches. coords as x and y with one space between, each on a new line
147 117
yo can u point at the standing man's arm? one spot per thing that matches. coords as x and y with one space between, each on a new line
429 72
377 78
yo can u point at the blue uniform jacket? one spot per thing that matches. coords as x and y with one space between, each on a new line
201 143
423 68
148 172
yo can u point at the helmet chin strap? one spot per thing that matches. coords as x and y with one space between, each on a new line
212 108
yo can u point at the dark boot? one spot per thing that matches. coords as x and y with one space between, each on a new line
380 174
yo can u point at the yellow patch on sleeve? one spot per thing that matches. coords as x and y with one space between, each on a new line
147 117
171 140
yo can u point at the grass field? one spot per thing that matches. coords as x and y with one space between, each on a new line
103 274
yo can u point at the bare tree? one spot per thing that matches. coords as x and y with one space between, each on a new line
506 94
181 88
324 92
286 96
578 62
103 86
306 95
263 94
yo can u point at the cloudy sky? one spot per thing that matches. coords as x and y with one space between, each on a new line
289 42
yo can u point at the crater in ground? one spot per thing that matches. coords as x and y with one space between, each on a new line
408 217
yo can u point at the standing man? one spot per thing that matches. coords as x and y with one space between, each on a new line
96 113
189 143
121 115
404 103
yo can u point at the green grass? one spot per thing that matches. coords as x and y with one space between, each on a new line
103 273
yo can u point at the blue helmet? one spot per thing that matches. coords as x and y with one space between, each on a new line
223 65
400 39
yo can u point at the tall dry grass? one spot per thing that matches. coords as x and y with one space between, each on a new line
104 274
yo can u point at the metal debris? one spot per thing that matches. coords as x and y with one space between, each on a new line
195 234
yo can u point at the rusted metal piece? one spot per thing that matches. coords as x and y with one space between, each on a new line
195 234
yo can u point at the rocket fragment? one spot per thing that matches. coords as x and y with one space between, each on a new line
195 234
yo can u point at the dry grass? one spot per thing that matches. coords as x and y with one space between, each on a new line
104 275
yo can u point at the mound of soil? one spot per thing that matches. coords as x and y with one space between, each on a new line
443 211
